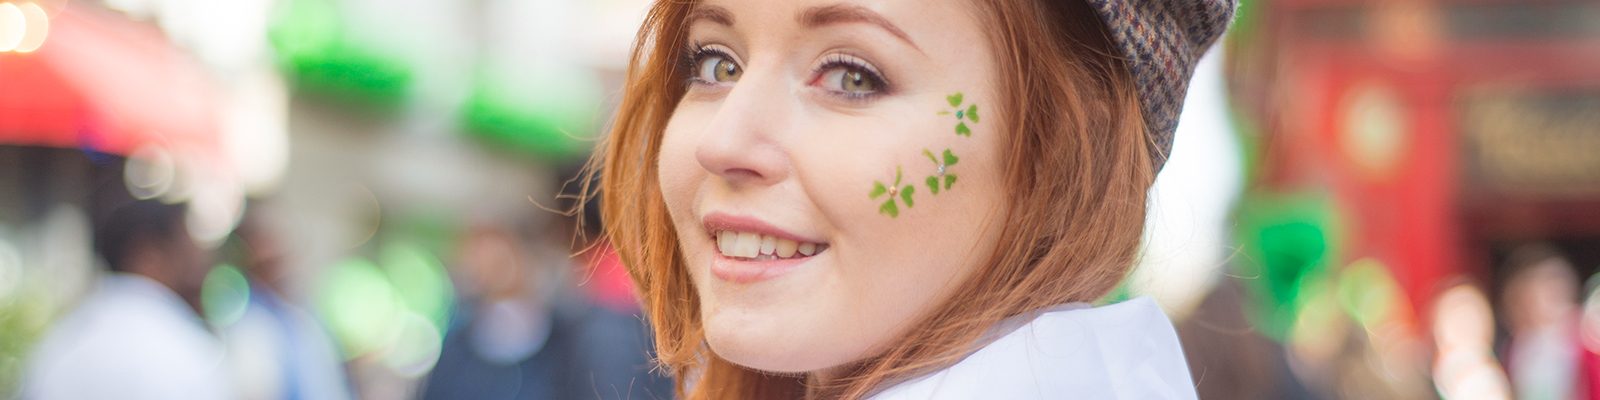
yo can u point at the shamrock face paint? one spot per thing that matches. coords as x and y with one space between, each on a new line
941 176
969 113
895 192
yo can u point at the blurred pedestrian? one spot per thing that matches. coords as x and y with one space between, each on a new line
1464 365
1540 303
137 335
525 332
279 350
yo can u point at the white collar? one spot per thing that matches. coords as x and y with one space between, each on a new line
1127 350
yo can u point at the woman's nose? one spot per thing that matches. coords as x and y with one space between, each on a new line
743 141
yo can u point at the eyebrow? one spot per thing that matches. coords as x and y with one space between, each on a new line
711 13
812 18
845 14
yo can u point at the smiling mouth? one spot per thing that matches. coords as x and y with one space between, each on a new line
752 246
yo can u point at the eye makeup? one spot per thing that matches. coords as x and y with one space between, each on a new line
850 78
838 75
698 73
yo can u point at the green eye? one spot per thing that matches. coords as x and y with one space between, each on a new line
850 77
857 82
718 69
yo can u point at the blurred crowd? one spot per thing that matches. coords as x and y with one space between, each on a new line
513 310
1530 335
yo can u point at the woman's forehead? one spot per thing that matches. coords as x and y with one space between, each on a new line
915 22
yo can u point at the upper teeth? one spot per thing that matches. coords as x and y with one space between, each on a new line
753 245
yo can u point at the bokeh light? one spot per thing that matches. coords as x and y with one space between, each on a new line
225 295
360 305
13 26
396 310
416 346
37 28
1368 292
422 281
150 172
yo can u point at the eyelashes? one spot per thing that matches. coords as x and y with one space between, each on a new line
839 75
851 77
710 65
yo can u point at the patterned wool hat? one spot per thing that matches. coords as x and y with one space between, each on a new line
1162 40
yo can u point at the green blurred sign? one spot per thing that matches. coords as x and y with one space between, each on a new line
311 44
1287 243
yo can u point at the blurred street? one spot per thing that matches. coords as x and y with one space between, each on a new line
341 199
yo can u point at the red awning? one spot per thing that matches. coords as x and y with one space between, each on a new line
105 83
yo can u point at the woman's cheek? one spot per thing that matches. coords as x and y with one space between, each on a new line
678 173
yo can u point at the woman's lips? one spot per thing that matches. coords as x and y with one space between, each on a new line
750 250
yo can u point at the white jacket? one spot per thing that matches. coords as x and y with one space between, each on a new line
1124 351
132 339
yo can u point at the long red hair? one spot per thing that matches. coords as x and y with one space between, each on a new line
1076 186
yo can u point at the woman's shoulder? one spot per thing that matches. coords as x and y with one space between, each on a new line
1127 350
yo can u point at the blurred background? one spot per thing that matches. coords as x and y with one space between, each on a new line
316 199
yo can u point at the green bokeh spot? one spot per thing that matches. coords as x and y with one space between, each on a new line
359 305
420 280
224 295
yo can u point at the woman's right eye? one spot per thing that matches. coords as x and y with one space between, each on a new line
715 67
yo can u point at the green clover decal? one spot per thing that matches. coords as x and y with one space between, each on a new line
942 178
895 192
942 170
963 114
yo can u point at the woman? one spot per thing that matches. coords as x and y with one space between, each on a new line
900 198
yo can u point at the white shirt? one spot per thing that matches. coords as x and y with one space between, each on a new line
1124 351
132 338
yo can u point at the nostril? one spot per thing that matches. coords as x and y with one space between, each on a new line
741 174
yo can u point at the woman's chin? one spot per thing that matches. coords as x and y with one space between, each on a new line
791 351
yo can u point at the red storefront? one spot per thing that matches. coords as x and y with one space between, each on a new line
1443 133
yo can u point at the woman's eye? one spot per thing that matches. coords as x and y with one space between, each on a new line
850 80
716 68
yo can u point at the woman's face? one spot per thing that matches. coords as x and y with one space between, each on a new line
800 171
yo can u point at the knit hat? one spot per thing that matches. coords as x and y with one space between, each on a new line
1162 40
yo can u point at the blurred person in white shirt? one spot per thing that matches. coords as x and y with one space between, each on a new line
137 334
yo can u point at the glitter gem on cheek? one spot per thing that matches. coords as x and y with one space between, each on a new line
941 179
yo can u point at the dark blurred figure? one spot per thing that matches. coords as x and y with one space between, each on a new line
137 334
278 349
1229 358
525 332
1540 303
